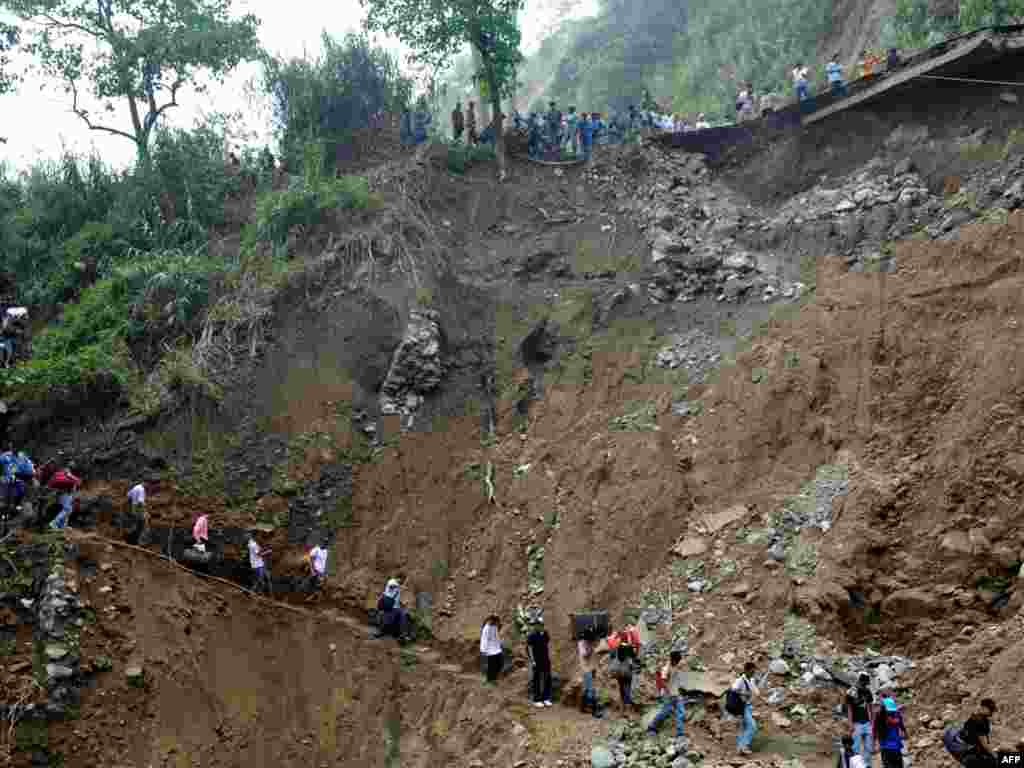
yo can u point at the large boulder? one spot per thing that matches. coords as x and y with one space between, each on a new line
911 604
416 366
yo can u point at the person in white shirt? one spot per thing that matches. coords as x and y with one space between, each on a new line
490 647
747 690
317 569
702 122
137 507
261 576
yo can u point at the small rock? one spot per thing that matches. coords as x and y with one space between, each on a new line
601 757
106 567
1008 97
55 651
133 674
845 206
58 671
778 667
741 589
781 721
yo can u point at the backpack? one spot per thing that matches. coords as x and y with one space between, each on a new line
734 703
954 743
63 481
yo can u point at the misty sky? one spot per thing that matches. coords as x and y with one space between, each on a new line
37 120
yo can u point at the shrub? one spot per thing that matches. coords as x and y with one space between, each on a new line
304 205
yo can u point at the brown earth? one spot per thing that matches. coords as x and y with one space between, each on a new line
911 379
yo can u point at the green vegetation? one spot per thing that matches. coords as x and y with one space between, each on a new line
913 26
328 98
802 558
462 156
305 205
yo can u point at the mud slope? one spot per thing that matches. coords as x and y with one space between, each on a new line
231 681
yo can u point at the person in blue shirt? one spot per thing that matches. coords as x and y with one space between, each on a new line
599 128
586 135
534 137
835 77
890 733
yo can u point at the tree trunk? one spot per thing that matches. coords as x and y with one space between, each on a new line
479 65
499 124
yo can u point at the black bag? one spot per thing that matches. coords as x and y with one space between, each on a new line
596 622
734 703
954 742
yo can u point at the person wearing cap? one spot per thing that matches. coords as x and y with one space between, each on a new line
890 733
261 576
540 659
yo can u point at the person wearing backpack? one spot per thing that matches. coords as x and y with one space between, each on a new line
673 703
969 743
741 696
860 709
588 668
890 733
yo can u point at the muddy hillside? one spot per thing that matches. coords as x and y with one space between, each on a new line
769 408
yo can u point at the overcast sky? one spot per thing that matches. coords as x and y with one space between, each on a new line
37 120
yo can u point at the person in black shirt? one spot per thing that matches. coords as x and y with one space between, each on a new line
625 654
975 734
859 709
537 649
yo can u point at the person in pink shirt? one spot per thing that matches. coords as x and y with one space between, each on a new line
201 532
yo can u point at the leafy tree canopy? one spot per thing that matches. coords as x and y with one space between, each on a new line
140 51
8 39
328 97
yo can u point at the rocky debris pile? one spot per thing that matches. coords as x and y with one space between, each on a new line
696 352
629 746
320 506
810 508
58 627
416 367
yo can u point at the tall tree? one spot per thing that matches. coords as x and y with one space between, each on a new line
140 51
8 39
437 30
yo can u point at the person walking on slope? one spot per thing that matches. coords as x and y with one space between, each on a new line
137 508
675 675
746 689
622 671
458 122
317 569
860 711
490 648
540 660
201 532
393 619
848 758
67 484
261 575
587 658
835 77
890 733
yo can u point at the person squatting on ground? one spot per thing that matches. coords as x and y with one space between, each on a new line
393 619
674 675
746 689
969 743
890 733
860 711
622 670
537 650
490 648
261 574
458 122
